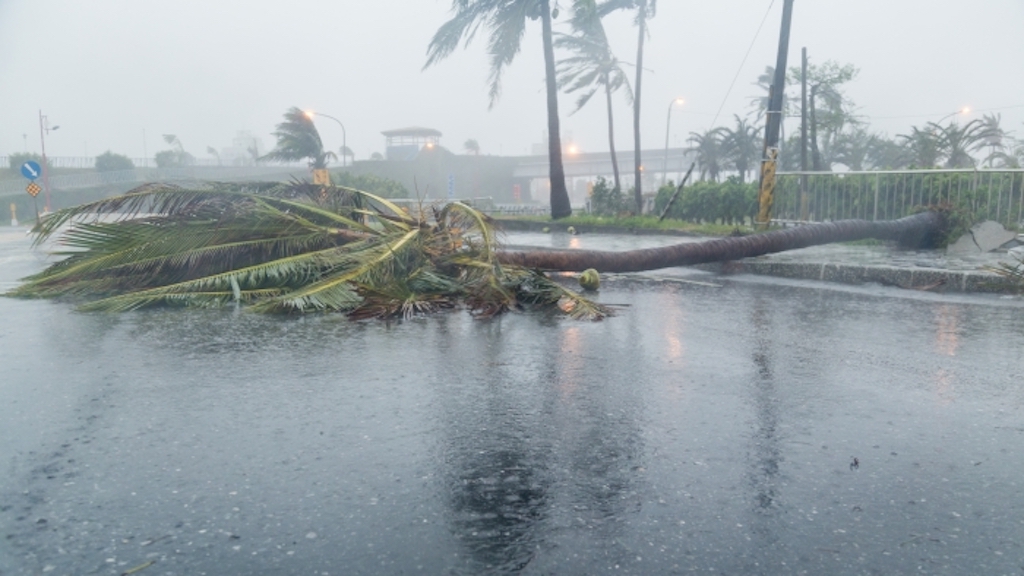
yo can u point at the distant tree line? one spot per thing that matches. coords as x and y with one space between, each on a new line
838 137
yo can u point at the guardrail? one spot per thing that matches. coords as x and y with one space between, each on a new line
141 175
887 194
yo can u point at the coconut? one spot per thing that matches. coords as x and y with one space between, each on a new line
590 279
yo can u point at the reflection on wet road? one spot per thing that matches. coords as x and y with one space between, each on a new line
703 429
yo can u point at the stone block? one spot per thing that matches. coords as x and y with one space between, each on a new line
983 237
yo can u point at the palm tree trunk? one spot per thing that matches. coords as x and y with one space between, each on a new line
913 230
637 161
611 136
560 206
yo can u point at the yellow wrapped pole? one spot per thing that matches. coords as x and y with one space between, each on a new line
766 196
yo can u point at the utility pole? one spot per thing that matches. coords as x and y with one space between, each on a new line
774 123
44 128
803 134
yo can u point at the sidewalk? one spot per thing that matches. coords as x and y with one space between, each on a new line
932 270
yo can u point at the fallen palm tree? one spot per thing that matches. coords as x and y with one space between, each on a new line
922 229
303 248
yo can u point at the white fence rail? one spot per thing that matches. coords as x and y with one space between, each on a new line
883 195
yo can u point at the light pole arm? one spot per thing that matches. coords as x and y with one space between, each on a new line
344 137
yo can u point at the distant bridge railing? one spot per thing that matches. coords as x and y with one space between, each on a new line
89 179
994 194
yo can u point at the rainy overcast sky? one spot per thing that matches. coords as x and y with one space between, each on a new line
107 71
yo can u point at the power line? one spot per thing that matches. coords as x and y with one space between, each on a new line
745 56
939 113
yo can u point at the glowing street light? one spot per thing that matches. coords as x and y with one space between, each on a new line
668 124
344 144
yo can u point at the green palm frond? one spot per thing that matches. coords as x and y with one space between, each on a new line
284 248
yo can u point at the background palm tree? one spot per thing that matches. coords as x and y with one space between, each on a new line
645 10
996 136
506 22
887 154
592 67
760 102
471 146
346 152
298 139
958 142
213 152
710 153
176 157
853 148
741 146
923 147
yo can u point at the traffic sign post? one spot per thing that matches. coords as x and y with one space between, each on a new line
33 190
31 170
451 186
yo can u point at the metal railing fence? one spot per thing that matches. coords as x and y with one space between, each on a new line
995 194
88 179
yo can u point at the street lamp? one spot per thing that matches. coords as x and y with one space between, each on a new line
668 124
344 145
44 128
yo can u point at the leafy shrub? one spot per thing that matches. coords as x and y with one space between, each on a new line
173 159
110 162
16 160
729 202
606 200
384 187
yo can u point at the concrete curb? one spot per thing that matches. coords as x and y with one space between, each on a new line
931 279
558 227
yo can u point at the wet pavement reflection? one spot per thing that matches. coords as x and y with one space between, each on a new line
734 427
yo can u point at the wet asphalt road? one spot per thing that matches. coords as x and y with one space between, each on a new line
757 427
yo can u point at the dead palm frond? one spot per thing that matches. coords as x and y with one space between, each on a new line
1012 273
284 248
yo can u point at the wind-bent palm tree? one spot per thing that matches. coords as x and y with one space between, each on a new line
886 154
645 10
213 152
853 149
471 146
958 142
923 147
592 67
298 139
996 136
710 153
741 146
506 21
346 152
760 103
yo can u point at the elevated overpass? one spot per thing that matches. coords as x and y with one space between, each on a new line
655 162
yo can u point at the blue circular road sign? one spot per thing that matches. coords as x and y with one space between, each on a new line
31 170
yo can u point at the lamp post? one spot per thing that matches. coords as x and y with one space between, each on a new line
44 128
344 145
668 124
